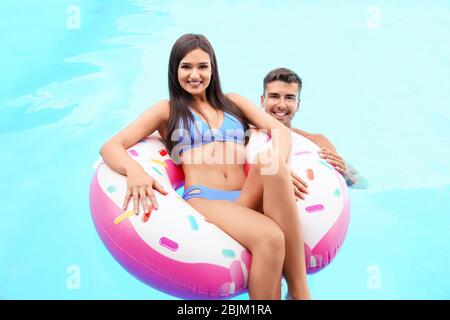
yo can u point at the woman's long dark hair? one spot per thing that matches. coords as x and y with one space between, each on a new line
180 100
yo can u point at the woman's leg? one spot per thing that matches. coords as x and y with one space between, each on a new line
273 193
256 232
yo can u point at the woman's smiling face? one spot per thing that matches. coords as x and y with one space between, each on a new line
194 72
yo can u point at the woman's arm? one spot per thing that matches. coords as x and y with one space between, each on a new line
114 151
281 135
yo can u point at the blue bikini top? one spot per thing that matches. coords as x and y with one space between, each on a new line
200 133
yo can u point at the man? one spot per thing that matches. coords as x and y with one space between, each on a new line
281 99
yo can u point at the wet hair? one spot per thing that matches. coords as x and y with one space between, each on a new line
181 100
282 74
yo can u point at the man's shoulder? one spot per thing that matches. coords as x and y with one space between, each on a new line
302 133
318 138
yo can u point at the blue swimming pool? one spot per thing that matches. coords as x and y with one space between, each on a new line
375 81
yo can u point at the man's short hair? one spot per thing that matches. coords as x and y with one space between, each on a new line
282 74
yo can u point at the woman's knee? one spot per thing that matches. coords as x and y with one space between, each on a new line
270 244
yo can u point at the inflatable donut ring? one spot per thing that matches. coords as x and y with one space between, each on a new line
176 250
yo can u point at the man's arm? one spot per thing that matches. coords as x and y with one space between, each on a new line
352 177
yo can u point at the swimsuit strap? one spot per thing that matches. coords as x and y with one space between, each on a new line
193 191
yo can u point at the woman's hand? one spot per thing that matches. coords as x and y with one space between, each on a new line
334 159
140 187
300 186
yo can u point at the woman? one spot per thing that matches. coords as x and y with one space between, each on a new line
199 126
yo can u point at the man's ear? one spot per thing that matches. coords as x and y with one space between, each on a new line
298 105
262 100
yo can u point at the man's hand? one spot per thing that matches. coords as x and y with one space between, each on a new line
334 159
300 186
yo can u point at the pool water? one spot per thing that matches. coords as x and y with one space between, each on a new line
375 82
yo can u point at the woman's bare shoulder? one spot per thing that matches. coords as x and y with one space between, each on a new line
162 107
235 97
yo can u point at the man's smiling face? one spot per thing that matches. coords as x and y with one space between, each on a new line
281 100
